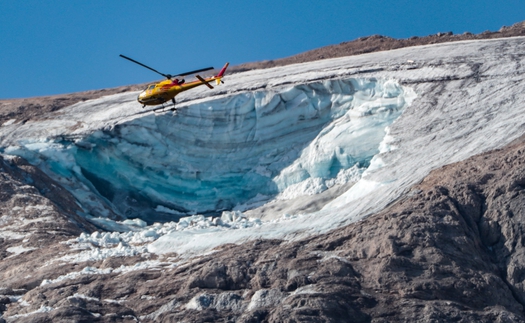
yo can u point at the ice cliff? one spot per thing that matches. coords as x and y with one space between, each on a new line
216 155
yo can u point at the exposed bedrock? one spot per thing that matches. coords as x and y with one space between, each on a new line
449 251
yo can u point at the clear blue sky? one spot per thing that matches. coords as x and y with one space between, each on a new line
62 46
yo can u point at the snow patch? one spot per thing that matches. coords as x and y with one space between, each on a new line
222 302
18 250
9 122
145 265
42 309
265 298
82 296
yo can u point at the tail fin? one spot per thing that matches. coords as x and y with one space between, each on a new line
221 73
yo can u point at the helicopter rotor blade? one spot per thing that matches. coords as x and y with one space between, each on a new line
196 71
168 76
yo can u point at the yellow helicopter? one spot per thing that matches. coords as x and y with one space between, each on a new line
164 91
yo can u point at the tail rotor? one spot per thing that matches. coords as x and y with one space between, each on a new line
218 77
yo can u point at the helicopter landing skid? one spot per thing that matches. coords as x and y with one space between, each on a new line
162 109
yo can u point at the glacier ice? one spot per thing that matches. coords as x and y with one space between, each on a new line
459 111
216 155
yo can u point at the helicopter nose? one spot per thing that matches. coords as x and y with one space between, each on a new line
141 96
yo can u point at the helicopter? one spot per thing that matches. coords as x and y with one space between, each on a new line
159 93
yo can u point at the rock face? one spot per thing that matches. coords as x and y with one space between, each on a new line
35 214
451 250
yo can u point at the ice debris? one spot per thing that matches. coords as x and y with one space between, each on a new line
101 245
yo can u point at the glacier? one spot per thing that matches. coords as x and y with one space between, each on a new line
223 153
372 124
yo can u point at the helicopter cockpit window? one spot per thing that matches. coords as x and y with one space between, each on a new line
151 87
